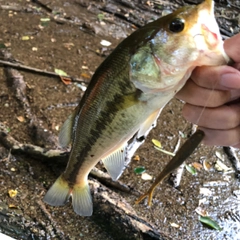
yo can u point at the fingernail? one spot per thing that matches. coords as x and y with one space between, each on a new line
230 80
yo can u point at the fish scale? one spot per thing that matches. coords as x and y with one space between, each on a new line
127 93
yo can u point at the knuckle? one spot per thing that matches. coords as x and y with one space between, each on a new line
219 98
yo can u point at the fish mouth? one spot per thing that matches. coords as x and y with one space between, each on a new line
208 5
208 40
210 47
207 21
212 37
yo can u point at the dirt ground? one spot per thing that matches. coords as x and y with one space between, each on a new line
70 41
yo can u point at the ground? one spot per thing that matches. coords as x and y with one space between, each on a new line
70 41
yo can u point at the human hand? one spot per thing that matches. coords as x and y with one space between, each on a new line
216 112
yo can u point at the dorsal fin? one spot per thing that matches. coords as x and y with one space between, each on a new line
115 162
65 134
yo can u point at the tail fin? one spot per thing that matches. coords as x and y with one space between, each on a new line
82 200
58 194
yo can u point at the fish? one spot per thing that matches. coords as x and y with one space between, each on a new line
127 93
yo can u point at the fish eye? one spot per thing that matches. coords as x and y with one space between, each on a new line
177 25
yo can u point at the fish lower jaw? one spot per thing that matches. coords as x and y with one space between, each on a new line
210 53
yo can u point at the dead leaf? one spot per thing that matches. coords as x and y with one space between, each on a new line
220 155
200 211
197 165
7 44
45 19
205 191
136 158
68 45
21 119
85 75
25 38
60 72
174 225
12 206
12 193
206 165
157 143
66 80
221 167
105 43
146 176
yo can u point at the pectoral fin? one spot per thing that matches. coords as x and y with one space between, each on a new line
65 134
141 135
115 162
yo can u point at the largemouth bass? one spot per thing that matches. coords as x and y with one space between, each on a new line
127 93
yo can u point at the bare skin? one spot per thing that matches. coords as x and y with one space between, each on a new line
216 112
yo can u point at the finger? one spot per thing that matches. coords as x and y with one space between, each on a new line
195 95
236 145
229 137
217 77
221 118
232 48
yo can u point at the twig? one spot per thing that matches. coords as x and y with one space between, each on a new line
233 6
48 215
47 154
42 5
232 156
105 179
19 66
12 144
64 19
15 8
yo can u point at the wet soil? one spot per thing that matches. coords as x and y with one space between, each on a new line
73 46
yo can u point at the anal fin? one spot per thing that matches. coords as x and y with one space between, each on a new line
115 162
